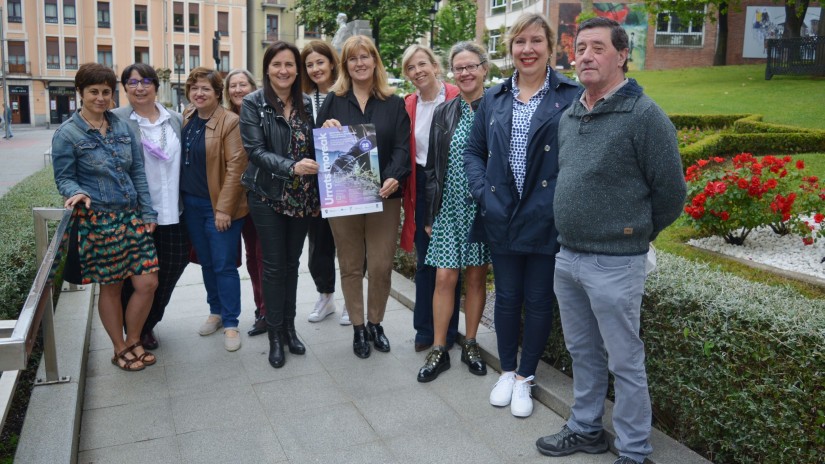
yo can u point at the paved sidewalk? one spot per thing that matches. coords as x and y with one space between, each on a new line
22 155
202 404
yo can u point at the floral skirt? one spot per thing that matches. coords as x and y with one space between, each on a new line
107 247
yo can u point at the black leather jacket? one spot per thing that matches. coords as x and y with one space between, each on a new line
266 137
445 120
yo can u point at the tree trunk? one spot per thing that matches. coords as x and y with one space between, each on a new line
720 58
794 17
820 31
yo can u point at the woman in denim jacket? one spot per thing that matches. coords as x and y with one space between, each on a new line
98 167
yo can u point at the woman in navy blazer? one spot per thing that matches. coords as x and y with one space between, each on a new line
511 163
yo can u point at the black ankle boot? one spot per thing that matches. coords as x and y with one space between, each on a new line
258 327
376 335
360 342
276 348
291 338
438 361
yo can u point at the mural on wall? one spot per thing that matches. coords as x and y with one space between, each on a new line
632 17
768 22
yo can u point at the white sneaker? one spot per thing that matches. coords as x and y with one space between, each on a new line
503 389
521 405
323 307
344 316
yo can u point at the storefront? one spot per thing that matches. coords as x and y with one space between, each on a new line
19 99
62 103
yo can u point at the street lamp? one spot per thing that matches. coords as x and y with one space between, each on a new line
178 71
433 11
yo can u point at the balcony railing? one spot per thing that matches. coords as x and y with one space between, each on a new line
15 67
274 4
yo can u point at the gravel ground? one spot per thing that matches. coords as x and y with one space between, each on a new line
765 247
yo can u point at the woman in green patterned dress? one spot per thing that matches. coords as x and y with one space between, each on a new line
450 213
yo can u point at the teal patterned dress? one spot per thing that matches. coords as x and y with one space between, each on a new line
449 247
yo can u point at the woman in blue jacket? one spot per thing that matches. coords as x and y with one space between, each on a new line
511 162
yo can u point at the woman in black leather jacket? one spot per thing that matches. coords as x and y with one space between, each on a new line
450 212
276 128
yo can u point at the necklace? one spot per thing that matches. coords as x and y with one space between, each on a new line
98 128
162 141
192 135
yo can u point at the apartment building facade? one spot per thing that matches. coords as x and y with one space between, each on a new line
46 40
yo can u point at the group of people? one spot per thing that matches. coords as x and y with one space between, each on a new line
561 188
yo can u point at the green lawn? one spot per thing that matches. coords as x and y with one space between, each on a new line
794 100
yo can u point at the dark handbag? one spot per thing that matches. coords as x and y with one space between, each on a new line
71 271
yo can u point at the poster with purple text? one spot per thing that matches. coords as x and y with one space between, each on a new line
348 175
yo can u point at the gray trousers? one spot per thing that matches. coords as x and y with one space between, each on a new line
600 298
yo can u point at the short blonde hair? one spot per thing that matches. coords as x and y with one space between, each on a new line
380 86
412 50
523 22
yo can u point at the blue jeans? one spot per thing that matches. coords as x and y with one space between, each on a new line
600 297
218 255
523 281
282 241
425 275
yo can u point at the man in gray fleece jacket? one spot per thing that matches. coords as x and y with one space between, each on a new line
620 183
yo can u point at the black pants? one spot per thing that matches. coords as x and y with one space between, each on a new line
172 245
282 242
321 255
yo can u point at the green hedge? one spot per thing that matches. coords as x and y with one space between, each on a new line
747 134
735 368
17 238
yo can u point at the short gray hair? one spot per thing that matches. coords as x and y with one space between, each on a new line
468 46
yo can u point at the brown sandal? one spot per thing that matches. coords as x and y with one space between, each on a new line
142 357
127 363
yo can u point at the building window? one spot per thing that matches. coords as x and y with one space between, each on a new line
177 16
516 5
492 44
103 14
271 27
194 56
180 64
17 57
223 23
671 31
497 6
15 13
51 11
142 55
52 53
70 49
224 67
194 18
313 33
69 12
104 55
141 18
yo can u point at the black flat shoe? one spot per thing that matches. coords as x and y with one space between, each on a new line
376 335
471 356
360 343
438 361
258 328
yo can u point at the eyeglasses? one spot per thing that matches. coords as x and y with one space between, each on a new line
145 82
365 58
470 68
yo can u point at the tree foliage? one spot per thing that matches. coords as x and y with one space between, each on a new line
455 22
395 25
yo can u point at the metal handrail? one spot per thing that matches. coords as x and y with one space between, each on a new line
17 337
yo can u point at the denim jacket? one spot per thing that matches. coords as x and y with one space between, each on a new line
108 169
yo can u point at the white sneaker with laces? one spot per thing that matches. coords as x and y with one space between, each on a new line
323 307
503 390
521 404
344 316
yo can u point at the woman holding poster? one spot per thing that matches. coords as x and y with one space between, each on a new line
361 95
276 128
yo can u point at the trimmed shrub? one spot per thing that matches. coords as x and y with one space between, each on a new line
707 121
735 368
17 251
